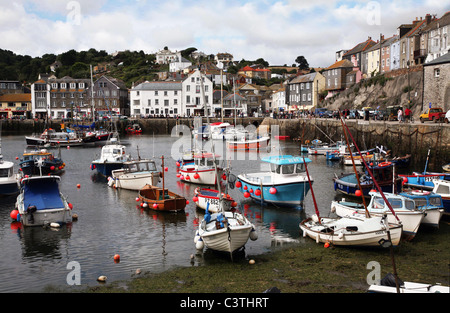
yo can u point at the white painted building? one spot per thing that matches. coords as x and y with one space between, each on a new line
179 65
155 99
171 98
193 103
278 101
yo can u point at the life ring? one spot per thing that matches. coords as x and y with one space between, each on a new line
420 192
383 164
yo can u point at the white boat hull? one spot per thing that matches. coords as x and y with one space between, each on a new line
410 220
133 181
230 238
368 233
410 287
204 200
205 177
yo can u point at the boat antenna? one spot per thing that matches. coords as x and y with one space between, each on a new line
370 172
312 191
354 167
426 163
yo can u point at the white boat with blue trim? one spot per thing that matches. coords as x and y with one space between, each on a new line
404 208
286 184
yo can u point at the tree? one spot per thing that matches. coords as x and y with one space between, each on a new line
302 63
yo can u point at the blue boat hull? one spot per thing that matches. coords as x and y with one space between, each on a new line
349 185
291 195
106 168
9 189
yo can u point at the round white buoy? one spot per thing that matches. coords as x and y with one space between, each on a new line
102 278
251 262
55 225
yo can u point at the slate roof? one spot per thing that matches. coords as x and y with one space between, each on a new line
360 47
159 85
442 59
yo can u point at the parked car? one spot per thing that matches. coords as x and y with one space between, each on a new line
381 115
447 117
432 114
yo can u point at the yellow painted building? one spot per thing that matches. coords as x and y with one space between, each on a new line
15 104
373 60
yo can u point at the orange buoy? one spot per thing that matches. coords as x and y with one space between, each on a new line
14 214
358 193
78 186
326 245
116 258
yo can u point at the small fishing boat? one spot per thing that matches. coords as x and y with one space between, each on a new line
356 230
442 188
135 174
134 129
202 171
40 202
9 181
401 162
388 285
404 209
249 145
425 181
161 199
204 197
96 136
218 130
285 184
111 158
41 162
428 202
225 231
384 176
52 138
322 149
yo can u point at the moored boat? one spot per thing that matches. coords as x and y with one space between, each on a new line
356 230
202 171
442 188
111 158
249 145
52 138
206 197
40 202
404 209
135 174
41 162
285 184
428 202
383 174
134 129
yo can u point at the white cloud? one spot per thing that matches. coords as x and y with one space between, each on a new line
277 31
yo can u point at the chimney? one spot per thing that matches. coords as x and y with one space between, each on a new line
428 18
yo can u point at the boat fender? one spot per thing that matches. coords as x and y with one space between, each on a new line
253 234
200 244
341 236
383 164
315 218
333 209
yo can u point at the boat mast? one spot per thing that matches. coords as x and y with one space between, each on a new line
162 170
354 168
312 191
92 97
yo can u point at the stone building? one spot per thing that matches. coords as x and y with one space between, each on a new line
436 83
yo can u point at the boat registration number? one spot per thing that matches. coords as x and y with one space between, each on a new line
212 201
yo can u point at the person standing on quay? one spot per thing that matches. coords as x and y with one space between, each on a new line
400 115
407 115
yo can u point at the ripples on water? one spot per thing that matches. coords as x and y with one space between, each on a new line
111 221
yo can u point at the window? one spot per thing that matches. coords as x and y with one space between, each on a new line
188 88
166 103
72 85
437 72
156 101
149 103
156 92
81 85
309 96
165 93
197 89
63 85
188 99
54 85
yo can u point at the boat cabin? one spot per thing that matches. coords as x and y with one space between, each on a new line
139 166
286 164
205 160
397 202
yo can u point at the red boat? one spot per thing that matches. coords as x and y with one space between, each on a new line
134 129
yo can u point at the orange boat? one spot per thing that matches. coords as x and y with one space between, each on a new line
254 144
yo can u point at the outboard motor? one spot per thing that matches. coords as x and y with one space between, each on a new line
30 210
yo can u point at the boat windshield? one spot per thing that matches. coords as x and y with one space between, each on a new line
300 168
378 203
436 201
6 172
409 205
287 168
421 202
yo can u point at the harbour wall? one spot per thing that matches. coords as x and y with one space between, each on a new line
401 138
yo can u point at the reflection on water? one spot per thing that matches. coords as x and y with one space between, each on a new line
112 222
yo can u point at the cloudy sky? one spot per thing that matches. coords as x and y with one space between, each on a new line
276 30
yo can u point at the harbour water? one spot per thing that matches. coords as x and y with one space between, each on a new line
111 222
